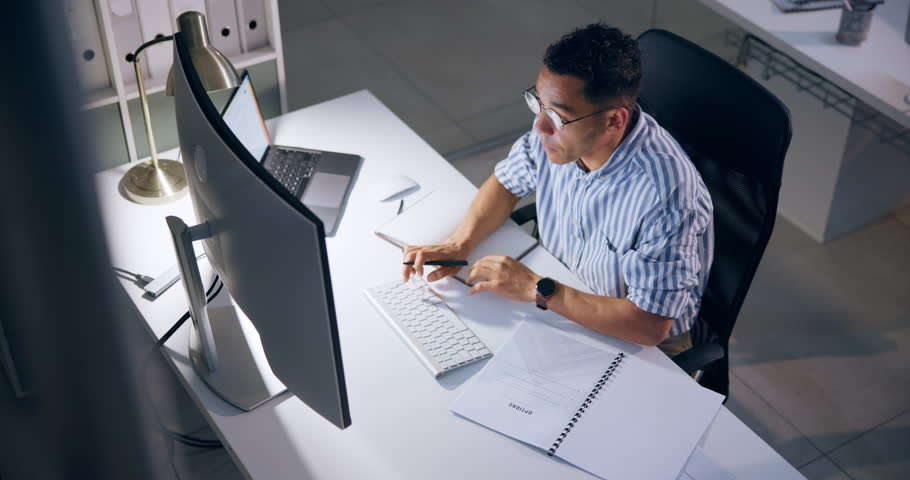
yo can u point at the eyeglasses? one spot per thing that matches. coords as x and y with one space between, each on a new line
536 106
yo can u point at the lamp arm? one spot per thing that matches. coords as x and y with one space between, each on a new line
143 98
157 181
134 55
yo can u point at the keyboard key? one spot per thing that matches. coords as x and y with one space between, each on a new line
429 327
450 315
292 168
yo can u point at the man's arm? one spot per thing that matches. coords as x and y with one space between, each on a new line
490 209
618 317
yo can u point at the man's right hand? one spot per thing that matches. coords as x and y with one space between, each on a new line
419 255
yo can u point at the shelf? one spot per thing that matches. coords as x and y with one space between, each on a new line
115 106
99 98
261 55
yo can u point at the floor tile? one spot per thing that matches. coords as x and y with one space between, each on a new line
327 60
479 167
761 417
295 14
543 22
824 337
698 23
345 7
446 139
872 265
467 56
903 215
788 239
823 469
882 454
632 18
503 120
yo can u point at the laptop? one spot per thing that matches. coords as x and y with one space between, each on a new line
789 6
321 180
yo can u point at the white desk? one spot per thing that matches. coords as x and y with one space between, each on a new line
877 72
402 427
837 175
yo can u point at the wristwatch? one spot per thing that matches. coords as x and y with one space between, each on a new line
546 288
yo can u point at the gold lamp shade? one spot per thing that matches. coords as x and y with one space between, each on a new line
214 69
160 181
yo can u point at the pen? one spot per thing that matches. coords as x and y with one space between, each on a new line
443 263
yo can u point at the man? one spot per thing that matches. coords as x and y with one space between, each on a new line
618 202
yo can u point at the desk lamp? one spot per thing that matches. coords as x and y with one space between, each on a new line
158 181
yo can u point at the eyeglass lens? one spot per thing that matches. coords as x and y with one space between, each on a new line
535 107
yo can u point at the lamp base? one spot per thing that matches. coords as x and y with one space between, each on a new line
147 185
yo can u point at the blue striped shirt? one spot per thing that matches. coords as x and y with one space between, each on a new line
640 227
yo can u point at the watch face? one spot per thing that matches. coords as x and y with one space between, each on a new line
546 286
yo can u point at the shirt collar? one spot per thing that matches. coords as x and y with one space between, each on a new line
625 151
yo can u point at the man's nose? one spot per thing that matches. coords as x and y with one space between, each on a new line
544 125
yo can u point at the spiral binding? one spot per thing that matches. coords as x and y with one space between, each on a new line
584 406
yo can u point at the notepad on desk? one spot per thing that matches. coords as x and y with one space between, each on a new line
433 219
611 414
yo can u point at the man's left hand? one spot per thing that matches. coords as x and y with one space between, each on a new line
504 276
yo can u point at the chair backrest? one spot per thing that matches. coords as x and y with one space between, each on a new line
737 134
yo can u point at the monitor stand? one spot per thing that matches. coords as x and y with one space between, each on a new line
224 346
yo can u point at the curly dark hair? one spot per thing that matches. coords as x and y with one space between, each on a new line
607 60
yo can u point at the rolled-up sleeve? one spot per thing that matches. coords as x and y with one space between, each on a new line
663 270
518 171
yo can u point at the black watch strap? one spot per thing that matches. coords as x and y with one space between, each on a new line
546 288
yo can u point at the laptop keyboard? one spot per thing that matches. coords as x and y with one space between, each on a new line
292 168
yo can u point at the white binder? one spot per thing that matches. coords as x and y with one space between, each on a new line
254 32
154 21
127 37
86 44
181 6
222 22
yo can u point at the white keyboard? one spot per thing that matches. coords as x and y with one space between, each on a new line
441 341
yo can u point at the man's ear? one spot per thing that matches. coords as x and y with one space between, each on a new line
617 119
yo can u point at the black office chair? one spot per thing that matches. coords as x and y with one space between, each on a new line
737 134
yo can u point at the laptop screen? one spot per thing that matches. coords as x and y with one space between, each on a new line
243 117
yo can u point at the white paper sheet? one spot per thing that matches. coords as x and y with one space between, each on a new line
536 383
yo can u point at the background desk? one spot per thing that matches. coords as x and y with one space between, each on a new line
402 427
837 175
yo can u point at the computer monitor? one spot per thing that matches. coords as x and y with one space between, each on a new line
270 252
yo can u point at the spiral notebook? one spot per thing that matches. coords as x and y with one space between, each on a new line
609 413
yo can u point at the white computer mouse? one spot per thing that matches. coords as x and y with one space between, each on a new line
392 187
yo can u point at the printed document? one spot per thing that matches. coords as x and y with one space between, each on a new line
559 394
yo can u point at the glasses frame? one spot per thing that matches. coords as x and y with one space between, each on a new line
558 121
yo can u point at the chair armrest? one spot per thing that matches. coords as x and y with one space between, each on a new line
525 214
699 357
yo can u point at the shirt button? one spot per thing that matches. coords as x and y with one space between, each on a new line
575 222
